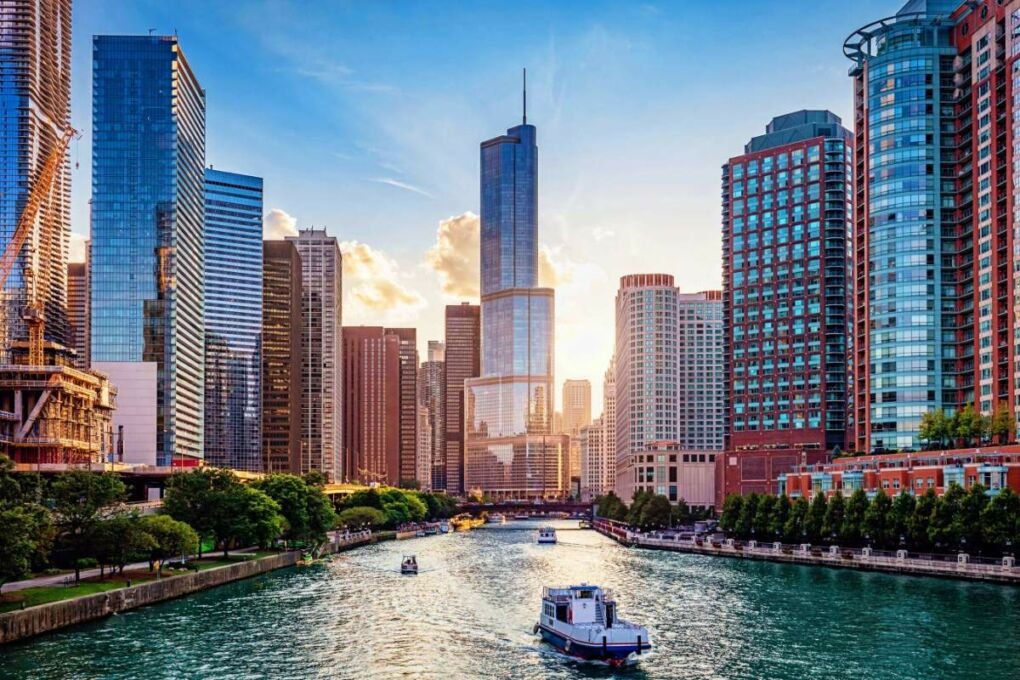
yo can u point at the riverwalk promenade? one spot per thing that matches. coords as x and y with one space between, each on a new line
962 566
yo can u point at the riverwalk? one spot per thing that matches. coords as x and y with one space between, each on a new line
32 621
963 566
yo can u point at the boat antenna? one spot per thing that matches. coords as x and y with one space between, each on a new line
525 92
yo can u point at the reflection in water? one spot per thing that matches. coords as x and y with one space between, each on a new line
470 615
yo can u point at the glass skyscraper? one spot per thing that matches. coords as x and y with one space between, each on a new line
148 163
510 448
233 320
35 91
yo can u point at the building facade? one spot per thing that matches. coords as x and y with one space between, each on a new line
700 387
597 466
147 253
646 366
233 320
374 405
432 397
511 450
576 406
36 86
281 364
78 310
609 418
665 469
936 287
463 362
321 371
408 378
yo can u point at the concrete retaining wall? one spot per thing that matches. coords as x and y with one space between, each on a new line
25 623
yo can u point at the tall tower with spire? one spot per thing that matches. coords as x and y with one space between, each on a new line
510 449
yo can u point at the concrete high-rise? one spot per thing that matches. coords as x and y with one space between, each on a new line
511 450
701 385
281 363
576 406
321 377
147 255
78 310
380 445
432 397
233 320
935 278
786 218
35 46
609 419
463 361
597 466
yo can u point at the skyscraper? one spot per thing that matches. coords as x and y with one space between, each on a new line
380 445
511 449
646 373
148 161
935 269
609 419
786 216
281 362
576 416
78 310
700 388
432 397
35 47
233 320
596 464
463 361
321 379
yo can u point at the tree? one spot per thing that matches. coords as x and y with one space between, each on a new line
968 520
656 513
242 515
120 539
369 498
935 427
780 513
611 507
919 527
793 530
853 520
900 515
363 516
877 524
966 425
305 508
746 520
190 497
1000 521
401 507
832 524
637 504
815 520
80 500
18 543
1003 427
763 517
682 513
944 530
169 538
410 484
315 478
732 507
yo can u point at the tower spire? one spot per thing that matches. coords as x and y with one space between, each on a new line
525 96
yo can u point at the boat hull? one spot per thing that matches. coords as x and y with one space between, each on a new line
616 653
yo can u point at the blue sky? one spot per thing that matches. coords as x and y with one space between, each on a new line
365 118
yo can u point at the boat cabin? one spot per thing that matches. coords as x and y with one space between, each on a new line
579 605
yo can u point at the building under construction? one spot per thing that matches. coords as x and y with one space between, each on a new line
54 413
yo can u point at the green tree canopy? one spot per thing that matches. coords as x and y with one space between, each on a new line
244 516
19 533
745 522
191 496
877 520
656 513
170 538
732 507
118 540
305 508
611 507
780 514
815 520
944 530
353 518
637 504
919 526
763 518
81 499
968 521
1000 521
853 519
832 523
900 517
793 530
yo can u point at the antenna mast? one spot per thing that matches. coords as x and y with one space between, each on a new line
525 96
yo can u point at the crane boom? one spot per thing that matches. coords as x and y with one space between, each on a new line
32 313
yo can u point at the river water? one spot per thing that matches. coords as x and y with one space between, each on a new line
469 614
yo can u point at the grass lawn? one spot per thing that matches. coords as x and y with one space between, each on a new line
213 562
45 594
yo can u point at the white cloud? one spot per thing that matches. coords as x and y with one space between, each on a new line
402 185
76 250
373 291
602 233
455 256
278 225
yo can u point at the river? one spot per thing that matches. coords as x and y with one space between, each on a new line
469 614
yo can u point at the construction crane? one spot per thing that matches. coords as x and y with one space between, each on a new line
32 313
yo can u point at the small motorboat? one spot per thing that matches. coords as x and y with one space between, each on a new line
521 517
409 565
547 535
420 533
444 527
496 518
581 621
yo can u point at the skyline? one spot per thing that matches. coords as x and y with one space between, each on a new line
374 121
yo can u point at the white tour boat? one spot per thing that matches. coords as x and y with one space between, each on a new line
496 518
547 535
409 565
581 621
